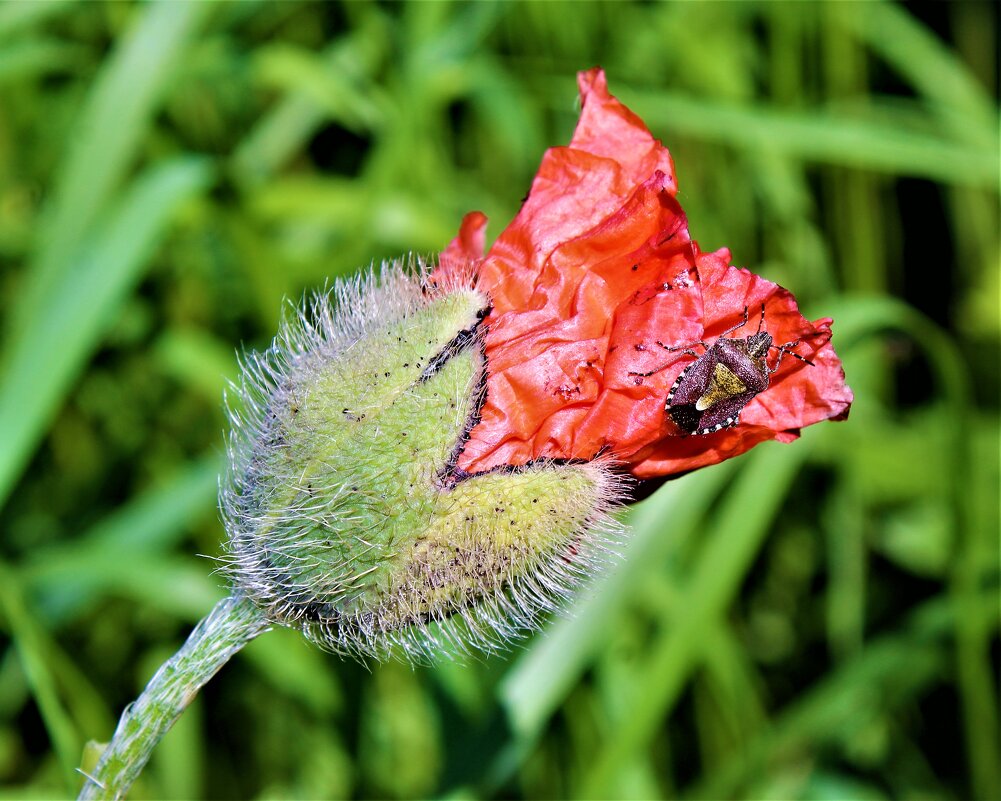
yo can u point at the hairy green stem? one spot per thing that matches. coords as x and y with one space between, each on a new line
233 623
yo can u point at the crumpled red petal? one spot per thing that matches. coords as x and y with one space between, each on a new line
596 268
799 394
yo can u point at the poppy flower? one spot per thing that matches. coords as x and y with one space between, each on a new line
347 517
601 298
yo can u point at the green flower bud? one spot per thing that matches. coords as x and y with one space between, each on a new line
346 512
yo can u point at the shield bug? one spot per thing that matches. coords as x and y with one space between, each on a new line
708 394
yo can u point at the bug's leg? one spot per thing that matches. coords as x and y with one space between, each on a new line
787 348
683 348
665 365
671 349
649 372
742 323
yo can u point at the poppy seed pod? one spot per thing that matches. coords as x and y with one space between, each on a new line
347 515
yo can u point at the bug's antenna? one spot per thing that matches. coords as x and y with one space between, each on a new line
761 322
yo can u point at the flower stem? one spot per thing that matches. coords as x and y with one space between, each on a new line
233 623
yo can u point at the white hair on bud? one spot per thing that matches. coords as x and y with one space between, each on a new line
507 600
501 613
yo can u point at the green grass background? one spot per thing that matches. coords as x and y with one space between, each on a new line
812 621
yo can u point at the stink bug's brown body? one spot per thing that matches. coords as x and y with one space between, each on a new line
709 394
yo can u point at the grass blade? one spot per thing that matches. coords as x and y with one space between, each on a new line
66 577
889 669
15 17
41 661
746 515
931 68
824 137
63 332
110 130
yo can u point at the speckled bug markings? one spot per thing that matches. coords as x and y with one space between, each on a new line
709 394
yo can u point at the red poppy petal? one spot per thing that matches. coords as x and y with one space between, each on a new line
458 262
598 291
799 394
576 189
682 454
629 276
608 129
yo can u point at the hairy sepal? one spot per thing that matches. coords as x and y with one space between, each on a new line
347 516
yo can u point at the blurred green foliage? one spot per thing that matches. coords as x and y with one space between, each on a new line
815 621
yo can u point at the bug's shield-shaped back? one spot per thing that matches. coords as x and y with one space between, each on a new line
709 393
